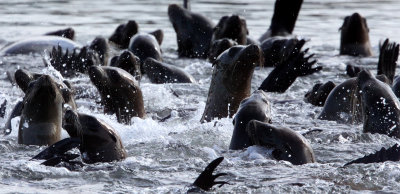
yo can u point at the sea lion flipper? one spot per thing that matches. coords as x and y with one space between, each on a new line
58 159
390 154
58 149
17 111
389 53
296 65
206 180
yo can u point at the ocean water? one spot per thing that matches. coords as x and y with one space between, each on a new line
166 157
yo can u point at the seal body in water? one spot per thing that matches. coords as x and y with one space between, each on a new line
354 39
288 144
145 46
38 45
193 32
120 92
41 117
231 81
255 107
159 72
380 106
99 141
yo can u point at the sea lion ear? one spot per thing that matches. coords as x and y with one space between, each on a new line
159 35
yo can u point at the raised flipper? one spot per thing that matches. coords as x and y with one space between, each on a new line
79 61
58 149
284 18
17 111
206 179
296 65
389 53
390 154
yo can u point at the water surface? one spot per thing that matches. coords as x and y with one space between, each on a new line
168 156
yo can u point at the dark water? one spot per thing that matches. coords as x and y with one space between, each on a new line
166 157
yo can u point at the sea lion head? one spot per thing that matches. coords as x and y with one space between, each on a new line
124 33
100 46
233 27
237 64
354 34
218 47
43 88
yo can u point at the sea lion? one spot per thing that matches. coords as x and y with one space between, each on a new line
295 65
23 79
97 142
218 47
120 92
284 18
160 73
255 107
70 62
101 47
128 62
342 104
289 145
145 46
193 32
123 33
38 45
41 116
233 27
100 142
231 80
380 107
354 39
66 33
318 94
